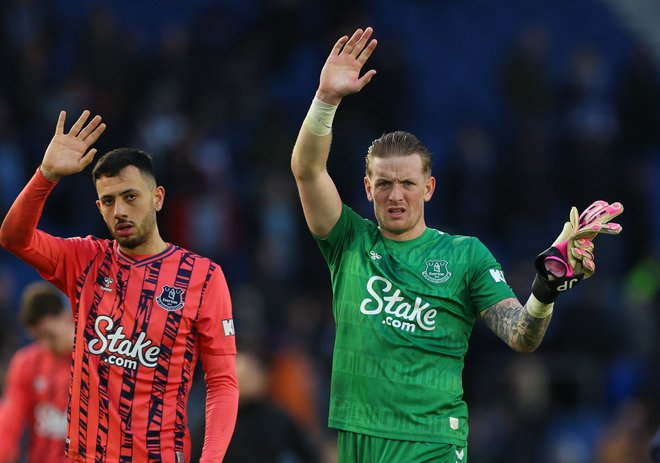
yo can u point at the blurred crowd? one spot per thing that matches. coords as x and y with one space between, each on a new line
216 91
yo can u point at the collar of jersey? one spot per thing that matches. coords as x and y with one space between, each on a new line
143 259
421 239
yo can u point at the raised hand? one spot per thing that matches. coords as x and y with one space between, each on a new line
596 220
340 75
570 259
69 153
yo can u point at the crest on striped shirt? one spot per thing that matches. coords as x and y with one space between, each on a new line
171 298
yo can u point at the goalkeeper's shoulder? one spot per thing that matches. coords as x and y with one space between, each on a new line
468 246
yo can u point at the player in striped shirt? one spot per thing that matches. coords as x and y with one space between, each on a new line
37 387
144 310
406 296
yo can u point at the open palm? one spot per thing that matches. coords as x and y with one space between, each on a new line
340 75
69 153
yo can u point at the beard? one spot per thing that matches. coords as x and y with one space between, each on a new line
133 242
142 236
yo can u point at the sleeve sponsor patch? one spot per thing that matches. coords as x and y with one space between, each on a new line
228 327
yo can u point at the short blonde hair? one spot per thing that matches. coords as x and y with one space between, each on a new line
396 144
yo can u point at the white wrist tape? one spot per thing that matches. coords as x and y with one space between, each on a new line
319 117
537 308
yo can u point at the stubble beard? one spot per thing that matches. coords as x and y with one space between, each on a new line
140 239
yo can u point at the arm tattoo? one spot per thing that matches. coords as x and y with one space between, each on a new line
511 322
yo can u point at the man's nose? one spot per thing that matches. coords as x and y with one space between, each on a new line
396 194
120 210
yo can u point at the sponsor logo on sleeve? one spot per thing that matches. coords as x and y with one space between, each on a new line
498 275
228 327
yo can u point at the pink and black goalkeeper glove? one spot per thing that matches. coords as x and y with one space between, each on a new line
570 259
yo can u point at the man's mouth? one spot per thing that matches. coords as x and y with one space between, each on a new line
396 211
124 229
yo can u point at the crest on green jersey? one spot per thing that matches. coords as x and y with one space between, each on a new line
436 271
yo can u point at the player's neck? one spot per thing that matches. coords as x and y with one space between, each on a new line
415 232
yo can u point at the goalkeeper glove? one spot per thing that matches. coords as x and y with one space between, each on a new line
570 259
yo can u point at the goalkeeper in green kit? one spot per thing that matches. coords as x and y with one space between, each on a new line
405 296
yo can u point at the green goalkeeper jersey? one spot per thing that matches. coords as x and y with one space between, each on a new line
404 312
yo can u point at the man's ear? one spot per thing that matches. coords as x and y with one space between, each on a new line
159 197
429 188
367 189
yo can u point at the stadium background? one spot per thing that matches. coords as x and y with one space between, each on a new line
528 107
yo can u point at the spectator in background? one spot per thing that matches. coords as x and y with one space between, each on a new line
524 78
264 432
654 447
37 387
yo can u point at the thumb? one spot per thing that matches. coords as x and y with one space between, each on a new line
87 158
565 233
575 217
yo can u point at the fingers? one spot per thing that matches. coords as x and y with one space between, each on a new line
75 129
565 233
574 217
339 45
366 53
59 127
594 220
358 44
87 158
583 253
350 45
600 211
364 39
92 131
88 133
594 229
365 79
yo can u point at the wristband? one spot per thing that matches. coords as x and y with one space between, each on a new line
547 291
319 117
538 309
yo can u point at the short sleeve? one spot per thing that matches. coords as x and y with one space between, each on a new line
340 235
487 283
215 323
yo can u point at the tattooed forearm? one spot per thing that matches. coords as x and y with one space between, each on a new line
511 322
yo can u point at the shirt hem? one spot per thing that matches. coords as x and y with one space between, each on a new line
399 435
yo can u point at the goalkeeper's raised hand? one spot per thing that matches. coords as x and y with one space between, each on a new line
570 259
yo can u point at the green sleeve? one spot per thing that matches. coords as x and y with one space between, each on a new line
340 236
487 283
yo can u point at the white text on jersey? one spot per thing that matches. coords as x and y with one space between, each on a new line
397 306
116 343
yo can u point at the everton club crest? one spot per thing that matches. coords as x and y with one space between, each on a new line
436 271
171 298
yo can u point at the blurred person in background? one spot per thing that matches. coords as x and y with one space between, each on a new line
37 387
264 432
145 310
405 296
